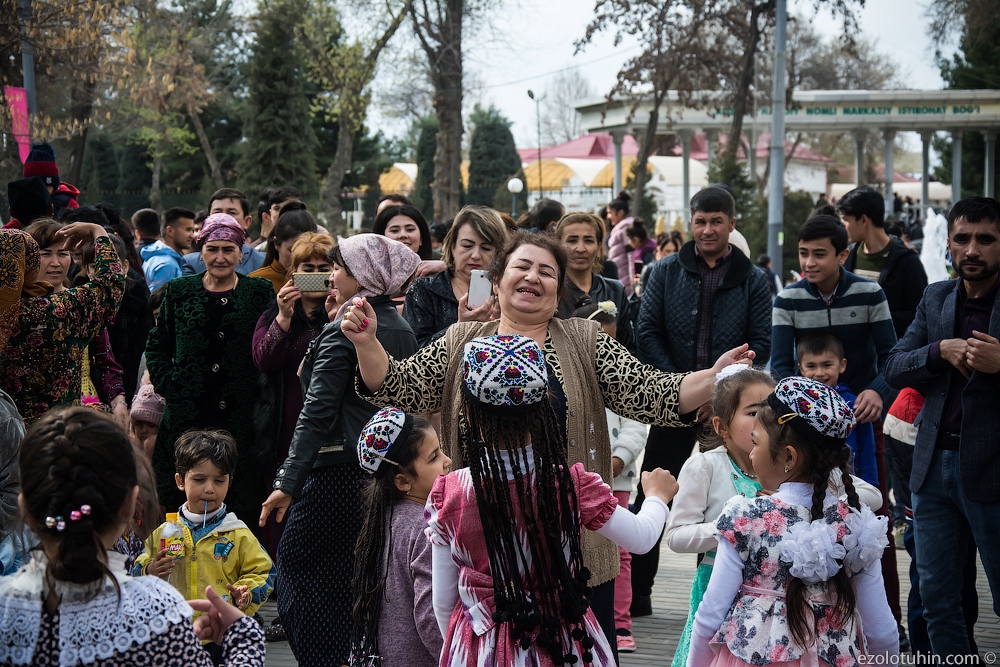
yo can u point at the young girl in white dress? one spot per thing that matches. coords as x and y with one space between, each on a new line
796 579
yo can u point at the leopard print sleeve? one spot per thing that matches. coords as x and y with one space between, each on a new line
415 384
636 390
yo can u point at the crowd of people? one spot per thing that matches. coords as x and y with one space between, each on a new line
193 421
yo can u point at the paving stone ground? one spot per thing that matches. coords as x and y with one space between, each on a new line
657 635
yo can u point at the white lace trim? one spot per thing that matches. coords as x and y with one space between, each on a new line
89 630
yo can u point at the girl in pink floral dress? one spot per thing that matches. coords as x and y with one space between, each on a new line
509 585
797 578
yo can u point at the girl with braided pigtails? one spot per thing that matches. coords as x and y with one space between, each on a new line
73 604
509 584
796 579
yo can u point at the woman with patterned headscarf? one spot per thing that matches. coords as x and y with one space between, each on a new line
199 359
47 333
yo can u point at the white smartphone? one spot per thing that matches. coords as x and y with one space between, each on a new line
480 288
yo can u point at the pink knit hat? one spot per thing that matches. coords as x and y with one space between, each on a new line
147 406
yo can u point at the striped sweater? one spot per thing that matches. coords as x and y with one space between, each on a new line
859 317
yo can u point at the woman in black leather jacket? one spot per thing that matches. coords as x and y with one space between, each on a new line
436 302
316 553
583 236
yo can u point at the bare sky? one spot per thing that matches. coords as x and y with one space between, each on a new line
533 39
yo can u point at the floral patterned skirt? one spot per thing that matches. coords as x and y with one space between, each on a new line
726 659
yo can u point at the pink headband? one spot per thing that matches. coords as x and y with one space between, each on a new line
222 227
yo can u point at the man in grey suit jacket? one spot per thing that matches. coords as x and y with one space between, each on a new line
951 354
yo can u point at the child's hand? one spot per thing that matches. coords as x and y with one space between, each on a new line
217 616
764 492
241 595
161 566
660 484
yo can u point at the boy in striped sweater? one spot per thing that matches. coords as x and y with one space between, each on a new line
855 310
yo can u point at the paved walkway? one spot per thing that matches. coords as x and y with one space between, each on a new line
657 635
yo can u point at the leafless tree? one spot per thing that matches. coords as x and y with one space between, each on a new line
560 120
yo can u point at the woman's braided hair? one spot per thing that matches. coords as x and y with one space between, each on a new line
373 549
532 525
70 458
818 462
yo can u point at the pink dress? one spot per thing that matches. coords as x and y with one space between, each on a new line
472 637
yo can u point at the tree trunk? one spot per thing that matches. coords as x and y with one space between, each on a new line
334 179
447 77
206 146
746 78
154 192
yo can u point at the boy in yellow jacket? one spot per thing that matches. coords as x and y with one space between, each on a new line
219 550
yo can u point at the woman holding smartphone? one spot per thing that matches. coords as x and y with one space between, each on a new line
583 236
435 302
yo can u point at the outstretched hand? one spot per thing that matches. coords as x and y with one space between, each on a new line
359 323
738 355
217 616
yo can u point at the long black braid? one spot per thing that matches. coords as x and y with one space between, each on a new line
549 609
372 551
819 461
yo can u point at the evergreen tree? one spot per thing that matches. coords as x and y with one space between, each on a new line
423 196
99 172
135 174
280 145
493 157
978 66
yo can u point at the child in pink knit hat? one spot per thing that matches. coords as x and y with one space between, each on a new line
146 414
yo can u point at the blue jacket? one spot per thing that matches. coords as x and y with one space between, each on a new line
979 449
253 259
667 327
160 263
862 444
859 317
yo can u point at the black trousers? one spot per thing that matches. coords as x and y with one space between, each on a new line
602 603
666 448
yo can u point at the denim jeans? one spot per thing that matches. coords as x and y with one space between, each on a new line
944 520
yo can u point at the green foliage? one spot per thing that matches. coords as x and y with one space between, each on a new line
733 173
423 197
280 141
136 176
99 173
493 157
503 200
753 225
647 208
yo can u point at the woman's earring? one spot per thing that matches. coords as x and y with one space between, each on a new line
786 468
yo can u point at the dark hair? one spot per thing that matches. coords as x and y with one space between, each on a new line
726 399
200 216
69 458
231 193
825 227
283 193
818 342
818 462
263 203
413 213
585 310
714 199
544 241
673 236
291 225
975 209
173 214
380 498
825 209
43 230
147 515
147 222
865 200
401 200
87 251
337 258
620 203
195 446
156 297
600 230
533 517
543 214
637 230
438 231
764 261
602 213
484 221
108 217
897 229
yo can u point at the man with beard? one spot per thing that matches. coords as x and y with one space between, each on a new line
951 354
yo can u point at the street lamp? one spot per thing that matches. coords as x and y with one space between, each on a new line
514 187
538 116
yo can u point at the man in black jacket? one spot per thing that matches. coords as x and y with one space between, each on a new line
698 303
877 256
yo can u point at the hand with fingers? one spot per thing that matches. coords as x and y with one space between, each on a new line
955 351
487 311
287 296
983 354
359 323
217 616
278 502
162 566
659 483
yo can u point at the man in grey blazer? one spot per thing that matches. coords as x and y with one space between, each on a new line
951 354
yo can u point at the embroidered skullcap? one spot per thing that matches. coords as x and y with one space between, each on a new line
504 371
382 438
222 227
813 410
